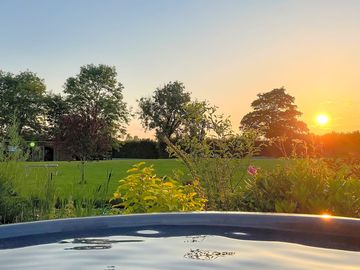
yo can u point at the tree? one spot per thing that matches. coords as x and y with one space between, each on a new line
276 115
84 137
96 113
21 96
164 111
201 121
96 93
56 107
196 121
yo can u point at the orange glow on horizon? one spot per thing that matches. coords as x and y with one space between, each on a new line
326 216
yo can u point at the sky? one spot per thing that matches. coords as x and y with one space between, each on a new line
224 51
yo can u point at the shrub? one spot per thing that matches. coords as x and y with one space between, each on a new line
12 207
213 153
144 192
312 186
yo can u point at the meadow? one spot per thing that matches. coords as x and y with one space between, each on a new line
48 190
66 176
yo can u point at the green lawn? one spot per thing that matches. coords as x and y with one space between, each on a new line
66 176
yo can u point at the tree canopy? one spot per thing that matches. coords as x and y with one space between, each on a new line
164 111
96 92
95 112
84 137
276 115
21 96
56 107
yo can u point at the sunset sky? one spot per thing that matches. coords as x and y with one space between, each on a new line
223 51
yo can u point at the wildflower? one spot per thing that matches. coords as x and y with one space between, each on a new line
252 170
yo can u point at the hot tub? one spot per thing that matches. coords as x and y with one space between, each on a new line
205 240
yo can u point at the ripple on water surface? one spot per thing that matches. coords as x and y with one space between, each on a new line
146 249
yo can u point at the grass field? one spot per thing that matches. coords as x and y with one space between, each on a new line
66 176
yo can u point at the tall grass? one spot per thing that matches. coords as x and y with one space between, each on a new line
12 207
19 203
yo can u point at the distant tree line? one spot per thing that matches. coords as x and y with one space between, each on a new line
137 148
331 145
339 144
89 118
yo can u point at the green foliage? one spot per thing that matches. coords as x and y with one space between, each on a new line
13 208
96 92
144 192
84 201
22 95
276 115
312 186
68 210
140 148
213 153
97 114
56 107
165 109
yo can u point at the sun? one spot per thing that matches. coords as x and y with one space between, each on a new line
322 119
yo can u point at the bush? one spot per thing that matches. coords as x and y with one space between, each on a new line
213 153
311 186
12 207
143 192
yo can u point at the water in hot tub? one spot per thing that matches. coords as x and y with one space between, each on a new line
150 249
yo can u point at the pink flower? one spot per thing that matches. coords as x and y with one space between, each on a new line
252 170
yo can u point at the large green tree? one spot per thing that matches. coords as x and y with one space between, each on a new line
276 114
95 112
96 92
164 111
22 97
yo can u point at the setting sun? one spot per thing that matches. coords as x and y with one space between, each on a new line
322 119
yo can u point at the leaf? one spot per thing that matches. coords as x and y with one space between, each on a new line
117 195
148 198
138 165
168 184
132 170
